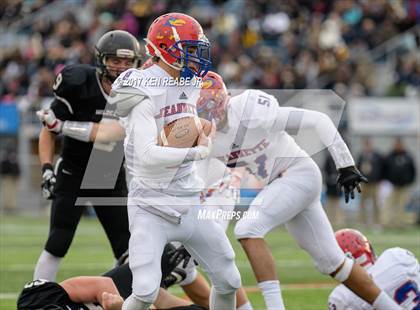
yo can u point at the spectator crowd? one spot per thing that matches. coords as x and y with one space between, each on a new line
395 171
341 45
263 44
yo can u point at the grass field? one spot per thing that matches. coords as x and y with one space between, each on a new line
22 238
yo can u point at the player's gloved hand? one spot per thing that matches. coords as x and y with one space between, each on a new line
48 181
349 179
49 120
176 276
178 255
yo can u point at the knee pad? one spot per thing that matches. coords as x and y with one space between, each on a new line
145 290
145 285
327 264
59 241
248 229
227 281
345 270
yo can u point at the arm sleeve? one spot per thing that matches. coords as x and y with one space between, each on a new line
292 120
143 132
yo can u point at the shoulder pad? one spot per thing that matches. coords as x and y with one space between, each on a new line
70 78
125 99
259 109
138 79
401 255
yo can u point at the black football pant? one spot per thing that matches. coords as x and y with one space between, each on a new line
65 216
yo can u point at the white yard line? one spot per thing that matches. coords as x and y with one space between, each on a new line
9 295
89 266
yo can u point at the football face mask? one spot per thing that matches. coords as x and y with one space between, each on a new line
192 56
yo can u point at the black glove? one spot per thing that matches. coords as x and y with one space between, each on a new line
349 179
48 181
178 255
176 276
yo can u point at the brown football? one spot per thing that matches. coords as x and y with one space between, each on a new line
183 132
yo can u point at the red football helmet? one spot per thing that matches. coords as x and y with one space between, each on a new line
147 64
356 245
179 41
213 98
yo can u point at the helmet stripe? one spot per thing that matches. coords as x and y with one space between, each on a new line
177 39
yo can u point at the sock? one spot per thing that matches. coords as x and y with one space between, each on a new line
222 301
133 303
246 306
384 302
47 266
272 295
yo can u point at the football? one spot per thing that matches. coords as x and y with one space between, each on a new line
183 132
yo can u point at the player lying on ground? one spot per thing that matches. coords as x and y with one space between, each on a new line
252 133
81 93
107 291
396 271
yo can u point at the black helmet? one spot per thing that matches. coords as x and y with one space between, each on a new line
117 43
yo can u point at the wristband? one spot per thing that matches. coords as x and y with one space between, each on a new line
46 166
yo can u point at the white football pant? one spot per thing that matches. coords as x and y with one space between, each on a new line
294 200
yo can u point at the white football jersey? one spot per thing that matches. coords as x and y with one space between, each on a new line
248 139
161 180
166 104
256 135
396 271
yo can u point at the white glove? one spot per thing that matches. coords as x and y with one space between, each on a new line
49 120
48 181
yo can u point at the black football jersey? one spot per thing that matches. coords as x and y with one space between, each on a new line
41 294
44 295
79 97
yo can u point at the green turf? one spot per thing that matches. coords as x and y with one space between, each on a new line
22 238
